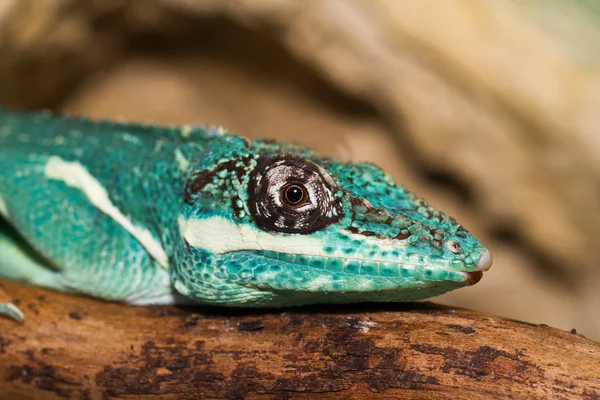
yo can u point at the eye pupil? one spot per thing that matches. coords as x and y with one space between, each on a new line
294 194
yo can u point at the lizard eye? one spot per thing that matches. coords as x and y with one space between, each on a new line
292 195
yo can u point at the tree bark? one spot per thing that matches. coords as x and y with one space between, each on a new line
75 347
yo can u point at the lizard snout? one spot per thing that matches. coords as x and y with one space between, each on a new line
485 262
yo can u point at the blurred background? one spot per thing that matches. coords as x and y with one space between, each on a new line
488 109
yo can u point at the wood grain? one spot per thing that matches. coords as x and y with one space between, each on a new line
74 347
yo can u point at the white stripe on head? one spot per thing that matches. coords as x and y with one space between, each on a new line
76 175
219 235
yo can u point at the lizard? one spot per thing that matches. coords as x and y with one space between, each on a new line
145 214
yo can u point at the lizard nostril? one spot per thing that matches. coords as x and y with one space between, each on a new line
453 246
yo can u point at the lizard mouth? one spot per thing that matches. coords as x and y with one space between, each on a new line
473 277
460 277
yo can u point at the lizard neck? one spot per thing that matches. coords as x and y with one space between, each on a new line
163 179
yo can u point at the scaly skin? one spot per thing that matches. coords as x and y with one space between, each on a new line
146 214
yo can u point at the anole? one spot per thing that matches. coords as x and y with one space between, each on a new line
143 214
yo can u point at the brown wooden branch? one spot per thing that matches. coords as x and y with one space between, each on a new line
76 347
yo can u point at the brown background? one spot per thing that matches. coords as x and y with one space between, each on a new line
488 109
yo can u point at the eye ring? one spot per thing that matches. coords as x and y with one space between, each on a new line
321 206
294 195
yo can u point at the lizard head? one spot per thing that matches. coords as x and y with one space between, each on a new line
273 224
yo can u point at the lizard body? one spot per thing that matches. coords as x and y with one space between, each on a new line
162 215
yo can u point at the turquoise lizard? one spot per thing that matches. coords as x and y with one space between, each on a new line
163 215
